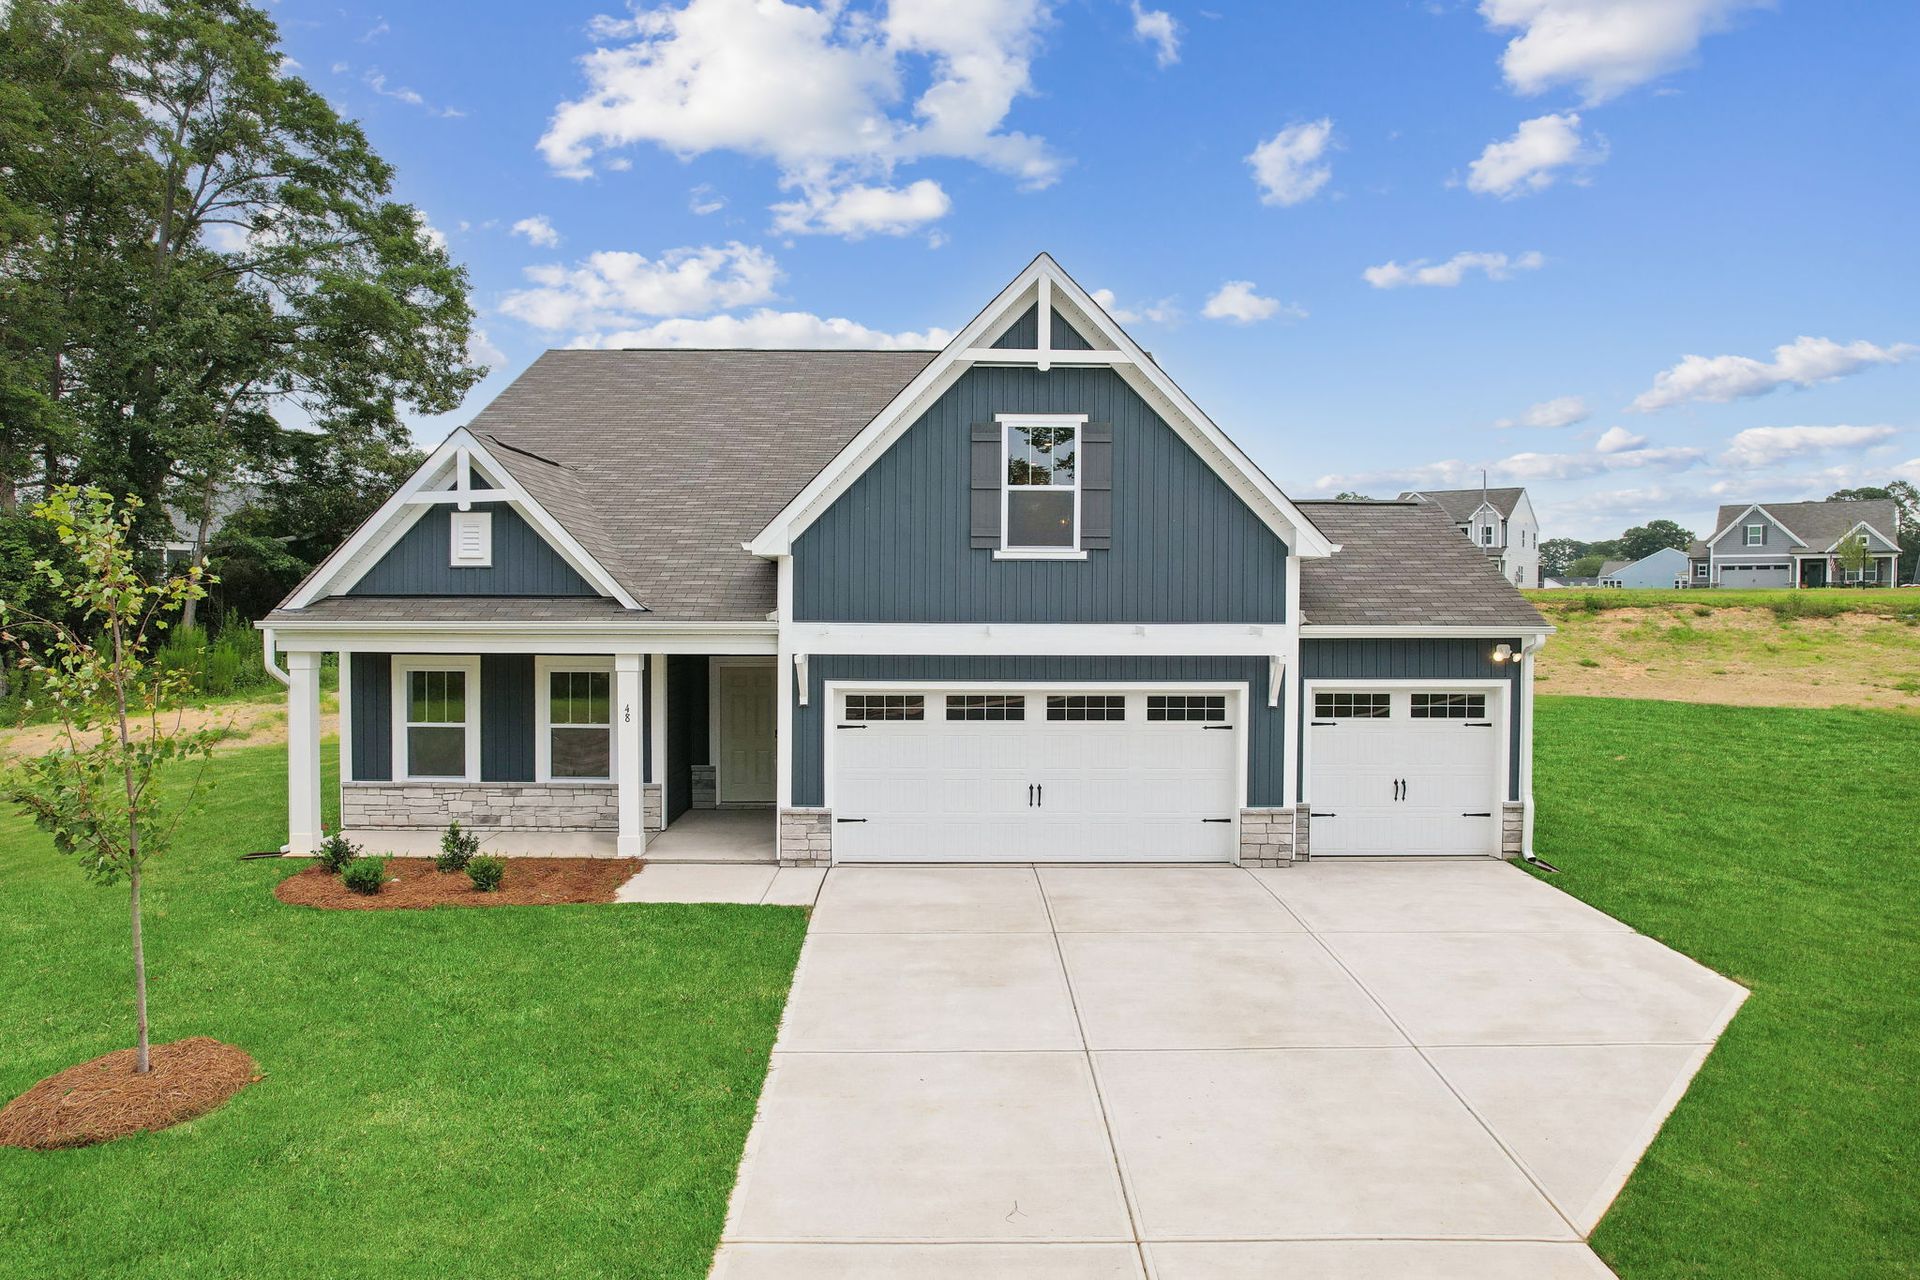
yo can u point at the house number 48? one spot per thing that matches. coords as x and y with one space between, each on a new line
626 713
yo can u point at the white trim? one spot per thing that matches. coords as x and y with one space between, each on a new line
1527 659
657 720
715 667
521 637
403 665
1007 422
785 670
544 665
1122 353
303 753
346 718
460 451
1240 710
632 840
1387 631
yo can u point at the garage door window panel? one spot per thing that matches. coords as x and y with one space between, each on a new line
1449 706
1084 707
886 706
1192 706
1352 706
986 706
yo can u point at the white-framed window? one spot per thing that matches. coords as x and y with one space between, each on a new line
1486 535
472 541
1040 484
573 720
436 719
1700 571
1756 535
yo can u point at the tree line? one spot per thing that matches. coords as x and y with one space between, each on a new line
210 299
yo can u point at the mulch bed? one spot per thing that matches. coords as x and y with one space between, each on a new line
412 884
102 1100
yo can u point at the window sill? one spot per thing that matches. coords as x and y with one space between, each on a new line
1008 553
574 782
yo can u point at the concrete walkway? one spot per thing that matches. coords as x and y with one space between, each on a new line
1409 1069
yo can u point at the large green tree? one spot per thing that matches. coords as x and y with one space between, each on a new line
1644 539
227 257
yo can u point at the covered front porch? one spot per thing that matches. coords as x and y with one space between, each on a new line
668 754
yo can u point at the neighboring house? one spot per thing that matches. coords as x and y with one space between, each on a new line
1796 544
1498 521
187 538
1018 599
1666 567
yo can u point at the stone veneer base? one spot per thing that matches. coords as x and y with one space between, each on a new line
1269 837
806 837
497 806
1513 829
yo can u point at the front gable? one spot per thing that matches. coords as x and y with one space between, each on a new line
898 545
1775 538
521 562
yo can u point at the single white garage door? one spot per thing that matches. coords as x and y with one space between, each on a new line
1404 772
983 775
1756 575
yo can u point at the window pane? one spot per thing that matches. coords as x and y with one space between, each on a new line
436 697
886 706
582 753
453 708
1040 519
437 753
579 697
1040 456
987 706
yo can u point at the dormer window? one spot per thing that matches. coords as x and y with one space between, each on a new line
1756 535
472 540
1486 535
1041 492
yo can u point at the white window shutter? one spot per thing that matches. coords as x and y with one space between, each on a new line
472 539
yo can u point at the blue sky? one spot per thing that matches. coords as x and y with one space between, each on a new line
1669 243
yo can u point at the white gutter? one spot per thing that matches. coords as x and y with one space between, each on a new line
266 657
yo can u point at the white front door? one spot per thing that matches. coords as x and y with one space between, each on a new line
984 775
744 731
1404 771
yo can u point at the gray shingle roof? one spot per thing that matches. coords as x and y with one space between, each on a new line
476 609
663 462
1818 525
1404 563
1460 504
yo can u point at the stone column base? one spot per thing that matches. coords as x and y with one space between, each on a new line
1513 829
1271 837
806 837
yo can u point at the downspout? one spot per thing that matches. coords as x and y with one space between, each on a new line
1528 649
267 650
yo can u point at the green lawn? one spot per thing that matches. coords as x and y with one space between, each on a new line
515 1092
1782 848
1814 602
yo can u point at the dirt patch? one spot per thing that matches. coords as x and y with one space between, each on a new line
248 724
412 884
1734 656
104 1099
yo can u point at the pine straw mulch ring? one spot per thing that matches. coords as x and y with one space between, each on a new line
104 1099
413 883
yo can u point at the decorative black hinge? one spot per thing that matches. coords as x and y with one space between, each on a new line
1216 726
849 819
1476 815
1311 814
1216 819
850 726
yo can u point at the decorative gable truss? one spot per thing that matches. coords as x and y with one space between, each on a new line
460 473
1084 335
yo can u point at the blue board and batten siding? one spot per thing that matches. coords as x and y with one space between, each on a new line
1266 727
896 546
1412 659
1024 334
420 563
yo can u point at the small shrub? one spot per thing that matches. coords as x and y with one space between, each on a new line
336 851
457 848
486 873
1702 611
365 875
1588 662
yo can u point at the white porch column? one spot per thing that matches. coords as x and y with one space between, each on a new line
629 709
303 752
783 743
657 716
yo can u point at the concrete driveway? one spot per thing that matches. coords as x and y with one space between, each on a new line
1414 1069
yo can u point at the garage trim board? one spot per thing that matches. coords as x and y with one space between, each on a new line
1380 816
1194 820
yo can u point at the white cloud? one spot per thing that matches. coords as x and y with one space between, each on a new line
1236 301
1531 160
538 230
1157 28
1562 411
481 349
1618 440
1764 446
1604 47
859 210
766 328
1289 166
1800 363
820 91
376 80
1523 468
1165 311
1445 275
611 289
703 200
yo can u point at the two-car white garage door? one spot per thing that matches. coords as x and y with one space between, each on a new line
977 774
980 775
